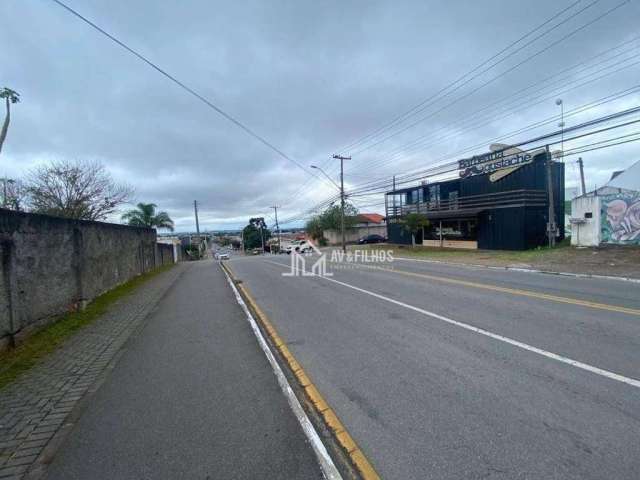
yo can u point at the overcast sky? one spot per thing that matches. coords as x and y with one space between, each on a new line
311 77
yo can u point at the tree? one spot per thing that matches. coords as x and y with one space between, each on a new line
413 222
252 233
314 228
331 218
81 190
13 194
144 215
10 96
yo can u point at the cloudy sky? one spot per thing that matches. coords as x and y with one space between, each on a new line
311 77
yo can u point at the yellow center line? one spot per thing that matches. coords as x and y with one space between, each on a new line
511 291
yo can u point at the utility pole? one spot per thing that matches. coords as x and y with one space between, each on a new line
560 103
262 236
551 225
581 166
342 159
195 209
275 209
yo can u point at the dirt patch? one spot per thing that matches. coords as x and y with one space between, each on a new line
614 260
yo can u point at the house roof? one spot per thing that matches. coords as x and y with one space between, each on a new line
629 179
370 218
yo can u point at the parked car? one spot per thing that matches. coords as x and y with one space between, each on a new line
300 246
373 238
256 251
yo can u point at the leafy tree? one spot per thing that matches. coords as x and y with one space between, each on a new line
314 228
10 96
251 233
82 190
331 218
144 215
413 222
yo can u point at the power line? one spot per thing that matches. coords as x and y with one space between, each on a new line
186 88
409 112
535 125
480 119
488 82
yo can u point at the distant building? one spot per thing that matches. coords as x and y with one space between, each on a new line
609 214
499 201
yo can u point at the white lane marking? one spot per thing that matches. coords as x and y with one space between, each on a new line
522 270
554 356
329 469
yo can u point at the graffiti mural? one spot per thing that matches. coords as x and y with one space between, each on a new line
621 218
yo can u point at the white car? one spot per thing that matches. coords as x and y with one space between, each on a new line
300 246
221 256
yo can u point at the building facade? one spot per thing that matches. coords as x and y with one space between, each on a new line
499 201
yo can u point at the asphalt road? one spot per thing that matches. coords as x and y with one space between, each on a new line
444 372
192 397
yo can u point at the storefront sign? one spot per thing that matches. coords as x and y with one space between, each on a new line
494 161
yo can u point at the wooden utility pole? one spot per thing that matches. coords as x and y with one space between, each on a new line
195 209
275 209
551 224
581 166
342 159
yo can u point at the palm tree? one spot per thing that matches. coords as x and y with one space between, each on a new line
10 96
144 215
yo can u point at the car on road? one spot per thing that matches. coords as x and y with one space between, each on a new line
373 238
300 246
221 256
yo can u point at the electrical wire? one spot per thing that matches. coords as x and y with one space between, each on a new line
188 89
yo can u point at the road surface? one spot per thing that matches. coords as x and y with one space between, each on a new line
443 372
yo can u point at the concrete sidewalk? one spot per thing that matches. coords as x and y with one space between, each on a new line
35 407
192 396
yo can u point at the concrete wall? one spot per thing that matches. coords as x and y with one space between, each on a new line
334 237
587 232
52 265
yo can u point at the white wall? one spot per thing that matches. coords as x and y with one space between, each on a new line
586 234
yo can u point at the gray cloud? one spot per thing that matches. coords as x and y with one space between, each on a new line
309 76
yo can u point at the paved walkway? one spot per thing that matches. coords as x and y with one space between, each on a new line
34 408
192 395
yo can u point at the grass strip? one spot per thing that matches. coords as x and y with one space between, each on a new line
15 361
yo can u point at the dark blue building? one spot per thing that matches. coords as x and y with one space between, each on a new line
499 202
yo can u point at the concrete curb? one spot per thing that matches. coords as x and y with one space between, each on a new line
524 270
315 398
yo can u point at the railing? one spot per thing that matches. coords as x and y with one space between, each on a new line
512 198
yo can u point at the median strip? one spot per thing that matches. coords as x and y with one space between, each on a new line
324 411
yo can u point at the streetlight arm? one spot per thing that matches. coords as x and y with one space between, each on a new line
325 174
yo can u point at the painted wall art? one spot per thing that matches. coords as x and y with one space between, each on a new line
621 218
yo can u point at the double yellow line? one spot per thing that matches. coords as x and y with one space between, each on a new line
511 291
340 433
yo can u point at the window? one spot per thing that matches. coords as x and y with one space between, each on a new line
453 200
588 214
434 196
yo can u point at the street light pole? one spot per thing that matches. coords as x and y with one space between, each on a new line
342 159
560 103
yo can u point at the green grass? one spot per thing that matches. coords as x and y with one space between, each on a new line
467 255
15 361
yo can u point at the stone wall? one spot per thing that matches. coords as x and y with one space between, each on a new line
53 265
